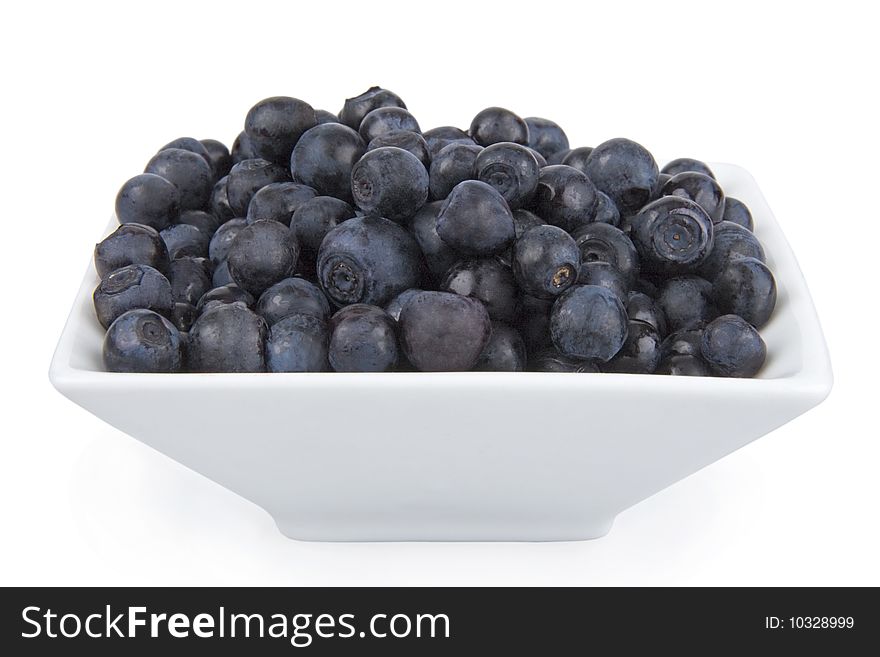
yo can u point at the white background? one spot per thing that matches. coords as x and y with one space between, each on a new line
90 93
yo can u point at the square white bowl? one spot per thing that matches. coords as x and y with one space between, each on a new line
458 456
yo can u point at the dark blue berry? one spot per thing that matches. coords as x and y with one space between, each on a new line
546 261
132 286
565 197
687 301
640 353
389 182
444 332
439 138
278 202
242 149
142 341
395 306
409 141
363 338
190 278
732 347
476 220
228 337
746 287
588 322
297 343
206 222
600 242
495 124
383 120
185 240
190 173
737 212
641 307
131 244
506 351
367 260
451 165
221 275
673 235
249 176
218 249
624 170
577 158
355 109
219 202
545 136
558 156
438 255
606 211
314 219
731 241
183 316
487 280
540 159
684 164
148 199
292 296
229 293
684 342
605 275
323 116
683 366
193 146
275 124
699 188
218 157
511 169
262 254
324 157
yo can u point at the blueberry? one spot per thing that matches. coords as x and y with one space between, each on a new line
438 255
219 202
395 306
525 219
588 322
701 189
142 341
732 347
640 353
206 222
190 173
131 244
185 240
606 211
229 293
545 136
737 212
439 138
314 219
367 260
577 158
646 287
511 169
683 366
221 275
684 164
242 149
565 197
452 165
558 156
183 316
533 322
624 170
546 261
405 139
540 159
292 296
363 338
495 124
262 254
476 220
323 116
190 279
148 199
218 157
687 301
297 343
132 286
672 235
641 307
662 179
550 360
599 242
228 337
389 182
605 275
731 241
684 342
355 109
746 287
506 351
249 176
383 120
324 158
278 202
444 332
487 280
274 126
218 249
193 146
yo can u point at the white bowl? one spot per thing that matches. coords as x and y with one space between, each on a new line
458 456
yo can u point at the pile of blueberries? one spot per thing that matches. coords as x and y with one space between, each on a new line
359 243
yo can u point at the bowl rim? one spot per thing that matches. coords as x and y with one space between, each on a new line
813 378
